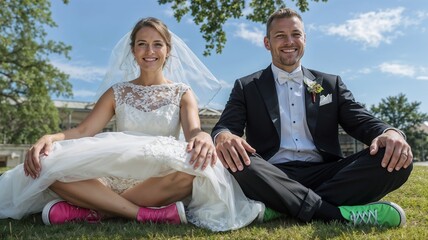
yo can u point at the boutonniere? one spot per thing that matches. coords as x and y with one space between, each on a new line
313 87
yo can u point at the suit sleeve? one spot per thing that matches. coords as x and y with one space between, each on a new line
233 118
355 119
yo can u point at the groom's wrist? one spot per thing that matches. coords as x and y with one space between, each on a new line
397 130
215 136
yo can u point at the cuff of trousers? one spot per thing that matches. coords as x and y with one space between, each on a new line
310 204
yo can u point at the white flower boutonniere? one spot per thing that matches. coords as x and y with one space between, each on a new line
313 87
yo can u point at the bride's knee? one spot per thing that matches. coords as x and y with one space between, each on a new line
59 188
57 185
181 180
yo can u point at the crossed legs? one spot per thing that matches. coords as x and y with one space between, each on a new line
302 190
157 191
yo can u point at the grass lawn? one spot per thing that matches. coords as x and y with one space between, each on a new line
413 197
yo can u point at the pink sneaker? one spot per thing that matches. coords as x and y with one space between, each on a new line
60 211
172 214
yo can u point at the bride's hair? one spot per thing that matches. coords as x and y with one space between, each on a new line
181 65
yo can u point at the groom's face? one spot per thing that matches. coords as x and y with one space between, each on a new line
286 41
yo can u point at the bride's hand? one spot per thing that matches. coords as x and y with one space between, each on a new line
32 166
203 149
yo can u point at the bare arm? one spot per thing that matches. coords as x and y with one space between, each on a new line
198 141
96 120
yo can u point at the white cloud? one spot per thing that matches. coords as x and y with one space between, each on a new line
169 12
372 28
189 20
83 93
247 9
365 70
404 70
80 71
422 77
422 14
398 69
311 26
254 35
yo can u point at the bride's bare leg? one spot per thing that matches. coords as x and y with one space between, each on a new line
161 191
94 195
154 192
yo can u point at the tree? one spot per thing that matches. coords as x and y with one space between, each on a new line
211 15
398 112
27 78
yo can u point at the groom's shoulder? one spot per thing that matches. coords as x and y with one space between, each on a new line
325 75
253 76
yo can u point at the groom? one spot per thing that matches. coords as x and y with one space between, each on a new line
291 158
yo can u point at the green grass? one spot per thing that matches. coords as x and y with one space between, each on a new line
4 169
413 197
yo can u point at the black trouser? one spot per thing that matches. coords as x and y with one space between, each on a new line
298 188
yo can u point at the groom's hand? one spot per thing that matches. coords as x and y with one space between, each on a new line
398 153
232 151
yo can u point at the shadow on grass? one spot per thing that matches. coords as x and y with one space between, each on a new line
32 227
288 228
413 195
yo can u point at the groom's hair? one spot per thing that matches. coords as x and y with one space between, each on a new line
281 13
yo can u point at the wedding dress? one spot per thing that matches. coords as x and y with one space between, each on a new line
148 121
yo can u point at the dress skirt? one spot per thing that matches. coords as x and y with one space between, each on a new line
217 201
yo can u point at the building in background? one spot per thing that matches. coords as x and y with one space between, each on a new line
72 113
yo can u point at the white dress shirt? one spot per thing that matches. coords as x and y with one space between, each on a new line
296 140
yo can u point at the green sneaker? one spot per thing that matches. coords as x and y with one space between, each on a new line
268 214
377 213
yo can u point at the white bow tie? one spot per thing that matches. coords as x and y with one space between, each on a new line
284 77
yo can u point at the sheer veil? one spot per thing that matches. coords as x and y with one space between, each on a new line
182 66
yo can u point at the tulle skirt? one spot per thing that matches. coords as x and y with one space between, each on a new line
217 202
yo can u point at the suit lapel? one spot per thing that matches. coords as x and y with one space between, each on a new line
266 86
311 108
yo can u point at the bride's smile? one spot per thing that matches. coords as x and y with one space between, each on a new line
150 49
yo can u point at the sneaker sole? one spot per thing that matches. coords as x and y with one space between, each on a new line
181 212
261 213
46 210
400 211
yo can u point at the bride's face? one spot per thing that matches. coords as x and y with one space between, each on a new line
150 49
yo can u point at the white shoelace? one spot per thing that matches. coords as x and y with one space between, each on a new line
369 216
93 217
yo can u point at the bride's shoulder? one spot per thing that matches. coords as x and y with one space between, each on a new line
182 87
121 85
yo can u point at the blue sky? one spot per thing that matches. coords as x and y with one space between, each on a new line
379 48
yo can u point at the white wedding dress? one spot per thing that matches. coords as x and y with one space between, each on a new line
148 118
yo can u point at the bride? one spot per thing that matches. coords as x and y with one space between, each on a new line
79 175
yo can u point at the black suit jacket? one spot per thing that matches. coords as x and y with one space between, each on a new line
253 107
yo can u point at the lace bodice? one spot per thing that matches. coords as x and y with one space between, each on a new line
153 110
